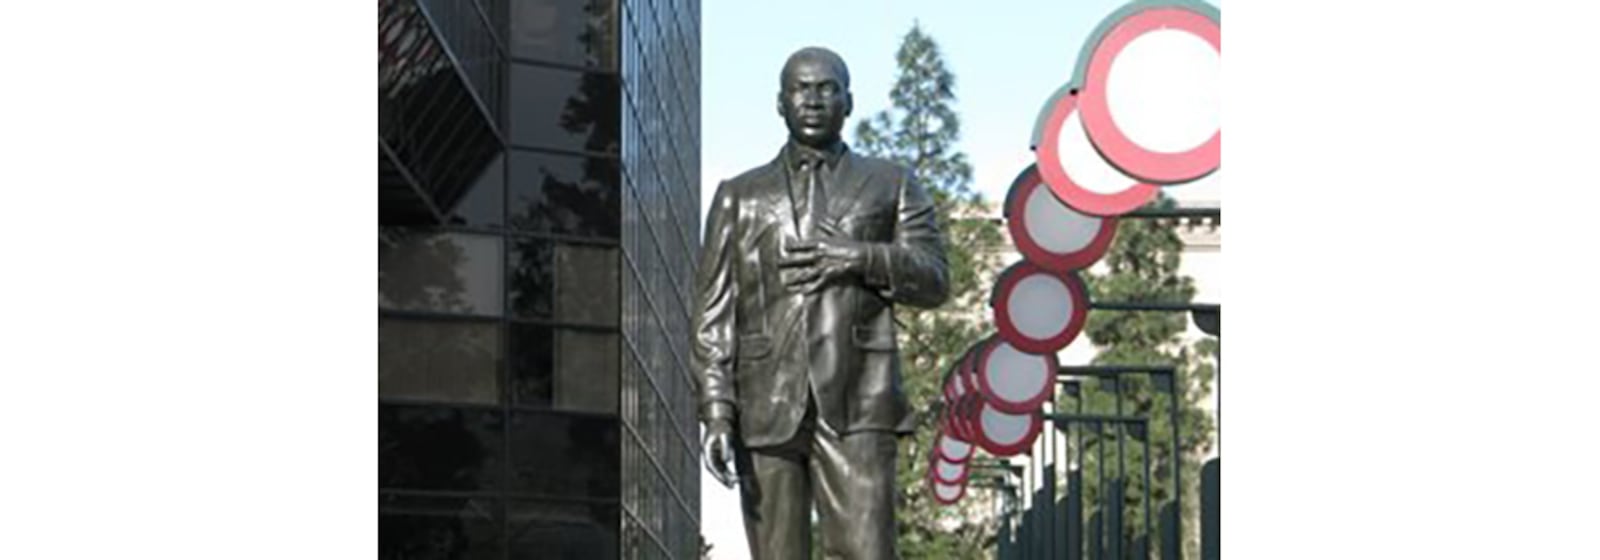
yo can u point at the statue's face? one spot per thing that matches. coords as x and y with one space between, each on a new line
814 101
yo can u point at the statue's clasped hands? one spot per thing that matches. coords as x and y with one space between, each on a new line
810 264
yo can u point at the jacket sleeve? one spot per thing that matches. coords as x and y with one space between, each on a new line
911 270
716 296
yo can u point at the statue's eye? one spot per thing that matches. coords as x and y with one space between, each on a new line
830 88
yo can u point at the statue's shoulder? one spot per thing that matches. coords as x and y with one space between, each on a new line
750 178
881 168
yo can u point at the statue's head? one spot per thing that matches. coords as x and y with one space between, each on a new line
814 96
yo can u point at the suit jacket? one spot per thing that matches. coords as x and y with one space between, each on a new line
754 337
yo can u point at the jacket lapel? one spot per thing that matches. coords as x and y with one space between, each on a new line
843 198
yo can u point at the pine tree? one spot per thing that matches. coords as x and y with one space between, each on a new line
920 130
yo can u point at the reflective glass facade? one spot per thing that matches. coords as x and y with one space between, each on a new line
535 399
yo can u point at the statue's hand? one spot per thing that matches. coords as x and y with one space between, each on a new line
719 451
811 264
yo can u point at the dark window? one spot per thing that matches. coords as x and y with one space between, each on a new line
454 528
531 277
560 454
563 109
586 371
448 272
426 447
532 364
439 360
565 194
484 203
561 531
586 284
578 32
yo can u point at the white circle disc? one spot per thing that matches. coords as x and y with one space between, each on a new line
1054 226
946 492
1002 428
952 447
1013 375
1164 90
1040 306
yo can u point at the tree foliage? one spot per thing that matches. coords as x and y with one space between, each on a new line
920 130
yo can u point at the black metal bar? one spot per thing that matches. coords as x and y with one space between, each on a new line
1110 371
1061 420
1155 306
1113 505
1100 464
1074 532
1211 510
1157 213
1170 543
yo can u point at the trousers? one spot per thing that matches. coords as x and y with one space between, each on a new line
849 479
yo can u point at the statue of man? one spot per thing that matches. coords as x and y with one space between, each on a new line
803 262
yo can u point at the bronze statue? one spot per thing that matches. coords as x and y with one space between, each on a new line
794 336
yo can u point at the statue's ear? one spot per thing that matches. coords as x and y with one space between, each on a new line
849 103
780 105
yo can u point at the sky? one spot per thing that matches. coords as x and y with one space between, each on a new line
1007 57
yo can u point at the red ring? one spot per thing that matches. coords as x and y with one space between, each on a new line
1008 329
938 450
934 471
1016 210
961 491
1032 404
966 415
1121 151
1068 191
1006 450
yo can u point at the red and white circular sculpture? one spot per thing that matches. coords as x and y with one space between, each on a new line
951 449
946 494
1039 311
1076 172
1015 381
947 472
1004 434
1151 90
1050 233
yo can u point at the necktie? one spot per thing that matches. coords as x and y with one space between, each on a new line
810 200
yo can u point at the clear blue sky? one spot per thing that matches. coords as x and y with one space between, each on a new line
1007 57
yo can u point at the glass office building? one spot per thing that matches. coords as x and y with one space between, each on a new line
539 212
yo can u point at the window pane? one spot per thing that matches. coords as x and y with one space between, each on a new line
443 272
532 364
587 282
454 528
577 32
424 447
484 203
564 455
565 194
565 109
436 360
586 377
560 531
532 278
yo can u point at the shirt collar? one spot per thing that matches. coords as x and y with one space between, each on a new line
795 154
